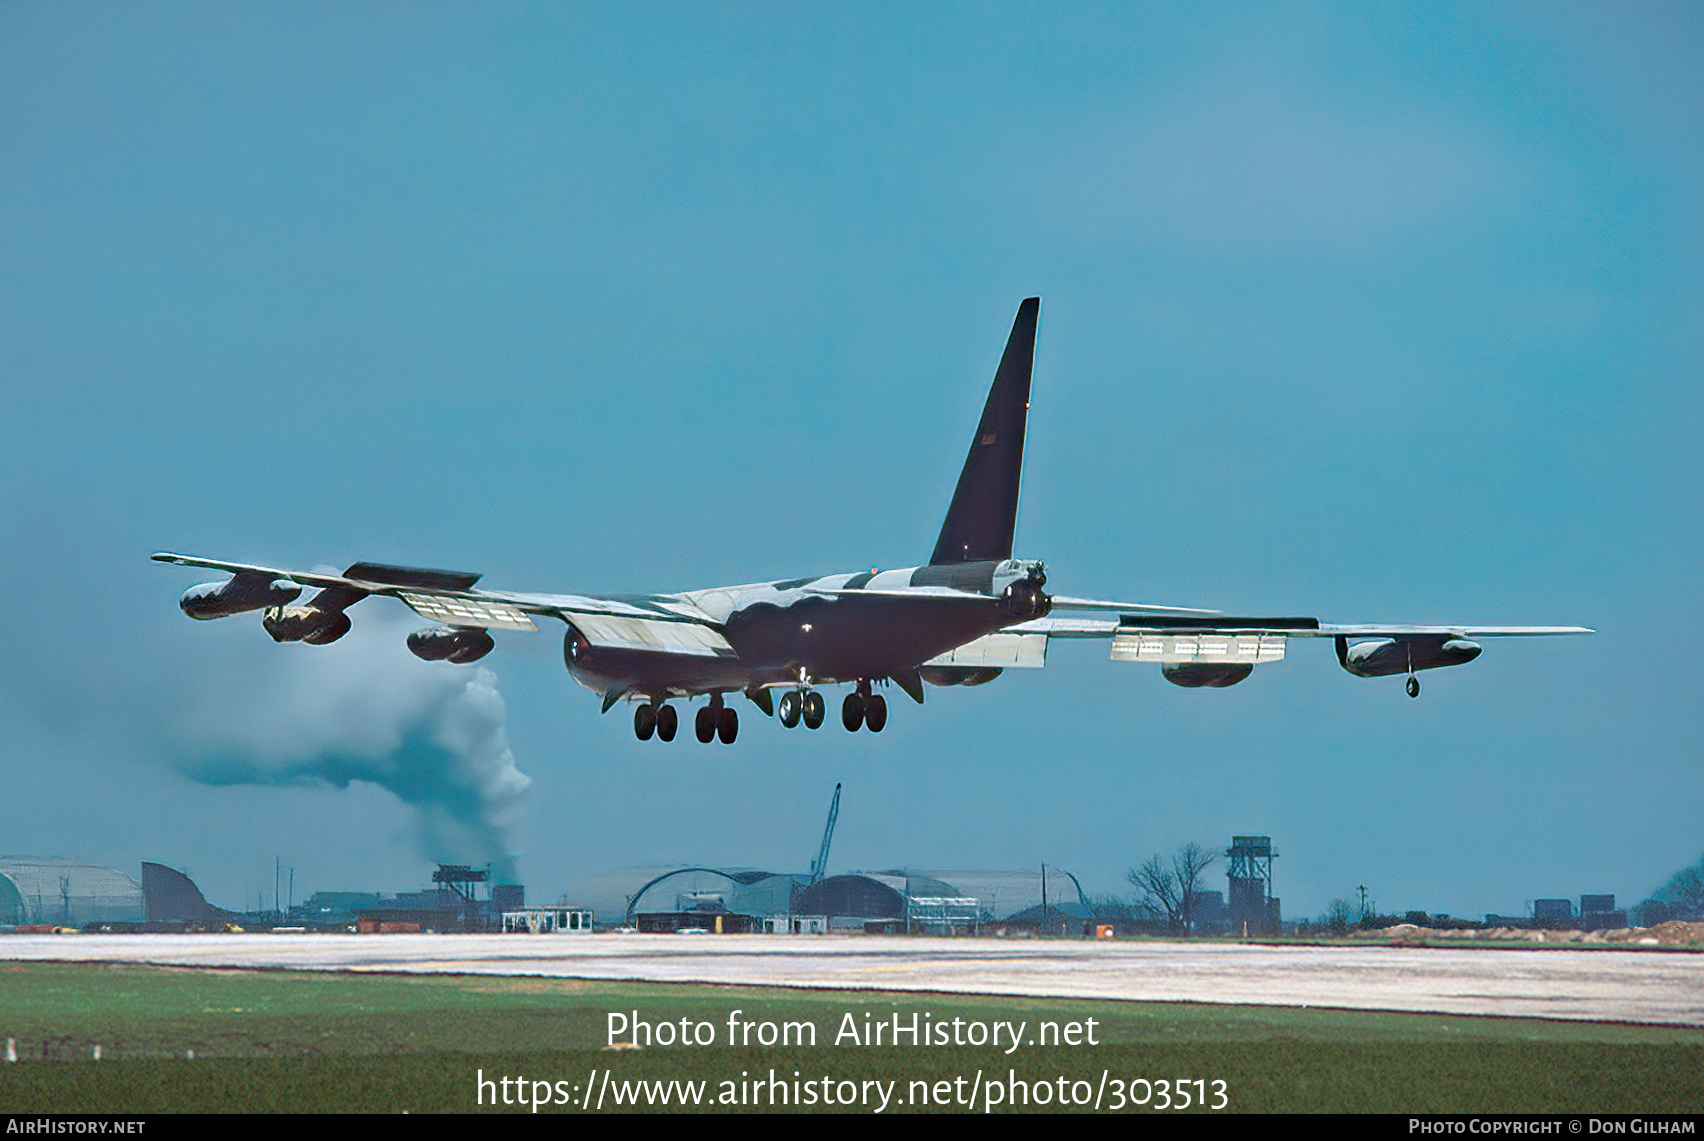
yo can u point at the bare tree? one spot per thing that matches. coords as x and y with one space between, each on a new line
1189 865
1170 886
1158 888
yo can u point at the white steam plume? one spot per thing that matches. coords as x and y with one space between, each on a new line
364 709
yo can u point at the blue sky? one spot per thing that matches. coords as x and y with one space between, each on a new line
1380 313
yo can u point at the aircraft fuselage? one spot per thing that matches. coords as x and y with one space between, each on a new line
845 627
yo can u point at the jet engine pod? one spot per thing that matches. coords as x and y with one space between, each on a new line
235 595
336 625
458 645
1022 597
1405 654
958 675
1024 601
305 624
1193 675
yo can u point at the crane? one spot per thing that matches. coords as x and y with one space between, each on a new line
817 868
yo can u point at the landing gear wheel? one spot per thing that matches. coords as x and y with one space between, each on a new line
667 722
1413 686
791 706
728 726
644 722
705 725
815 709
875 712
852 712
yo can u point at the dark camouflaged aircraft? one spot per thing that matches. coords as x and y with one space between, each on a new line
971 612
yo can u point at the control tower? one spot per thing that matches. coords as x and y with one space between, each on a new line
1253 907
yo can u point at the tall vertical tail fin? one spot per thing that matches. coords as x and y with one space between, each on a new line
984 512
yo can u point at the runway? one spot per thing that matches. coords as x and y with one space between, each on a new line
1656 987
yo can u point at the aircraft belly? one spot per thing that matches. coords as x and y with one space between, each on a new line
653 673
847 637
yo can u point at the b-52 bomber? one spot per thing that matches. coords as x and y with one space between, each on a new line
968 614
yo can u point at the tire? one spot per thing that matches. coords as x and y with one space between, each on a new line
705 726
875 713
815 710
667 722
728 726
852 712
790 708
644 722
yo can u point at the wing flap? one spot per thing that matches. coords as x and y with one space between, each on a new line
1207 646
1002 650
453 610
618 632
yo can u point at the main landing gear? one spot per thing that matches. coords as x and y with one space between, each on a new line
862 707
804 705
659 719
716 720
662 721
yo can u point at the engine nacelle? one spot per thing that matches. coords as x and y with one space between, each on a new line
458 645
958 675
1193 675
1405 654
1021 597
235 595
307 624
1024 601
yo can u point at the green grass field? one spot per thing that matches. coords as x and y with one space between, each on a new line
272 1041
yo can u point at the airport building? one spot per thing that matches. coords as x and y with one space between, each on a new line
49 890
680 897
172 899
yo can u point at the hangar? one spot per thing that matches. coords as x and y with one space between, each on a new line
64 892
894 899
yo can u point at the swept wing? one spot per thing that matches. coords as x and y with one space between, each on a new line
1223 650
661 623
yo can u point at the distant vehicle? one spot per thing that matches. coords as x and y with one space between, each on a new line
961 619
